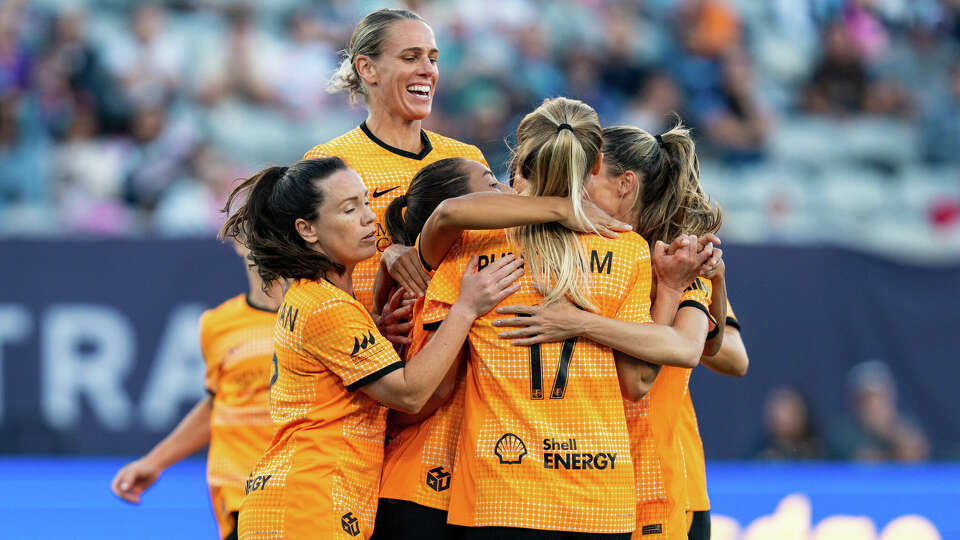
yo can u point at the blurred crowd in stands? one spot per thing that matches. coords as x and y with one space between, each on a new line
815 118
875 430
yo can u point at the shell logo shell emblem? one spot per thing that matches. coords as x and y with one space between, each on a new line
510 449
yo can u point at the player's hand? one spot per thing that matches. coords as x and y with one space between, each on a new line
678 264
714 268
133 479
403 264
541 324
481 291
597 221
395 323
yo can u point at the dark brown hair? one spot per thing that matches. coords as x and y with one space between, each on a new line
670 199
274 199
433 184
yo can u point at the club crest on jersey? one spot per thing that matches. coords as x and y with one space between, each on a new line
438 479
350 524
358 345
510 449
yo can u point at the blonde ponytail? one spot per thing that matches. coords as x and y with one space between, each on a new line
558 144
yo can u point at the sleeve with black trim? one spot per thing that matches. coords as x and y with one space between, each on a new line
698 295
732 319
343 337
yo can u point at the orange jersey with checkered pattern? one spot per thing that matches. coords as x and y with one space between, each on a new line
693 446
544 443
658 455
321 474
386 171
418 462
236 339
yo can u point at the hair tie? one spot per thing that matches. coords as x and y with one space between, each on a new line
564 126
659 139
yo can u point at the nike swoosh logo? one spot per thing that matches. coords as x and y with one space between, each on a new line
377 193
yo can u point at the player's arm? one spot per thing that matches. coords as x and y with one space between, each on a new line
441 395
732 358
189 437
715 271
408 389
485 211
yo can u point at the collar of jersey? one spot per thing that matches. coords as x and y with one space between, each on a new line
427 147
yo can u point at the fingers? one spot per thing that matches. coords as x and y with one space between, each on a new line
418 274
398 339
399 328
520 310
709 238
407 279
528 331
511 279
501 266
526 342
506 292
123 486
393 302
678 243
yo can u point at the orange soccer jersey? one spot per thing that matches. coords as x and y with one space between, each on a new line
386 171
321 474
658 455
693 446
418 462
237 344
544 443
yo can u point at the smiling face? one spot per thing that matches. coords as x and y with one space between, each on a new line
403 78
345 227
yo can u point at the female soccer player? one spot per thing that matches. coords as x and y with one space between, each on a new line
390 63
236 339
311 223
418 460
653 182
543 444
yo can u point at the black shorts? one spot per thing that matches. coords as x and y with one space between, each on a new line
700 526
404 520
510 533
236 523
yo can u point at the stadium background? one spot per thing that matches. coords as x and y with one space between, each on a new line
829 132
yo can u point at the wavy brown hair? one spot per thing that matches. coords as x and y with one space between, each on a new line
273 200
670 200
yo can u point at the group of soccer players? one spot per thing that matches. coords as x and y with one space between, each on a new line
425 352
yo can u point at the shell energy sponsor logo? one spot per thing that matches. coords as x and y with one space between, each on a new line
350 524
256 482
438 479
564 455
510 449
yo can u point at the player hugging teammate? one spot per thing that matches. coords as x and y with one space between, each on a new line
403 404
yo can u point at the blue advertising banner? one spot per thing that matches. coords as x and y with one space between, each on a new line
71 498
99 353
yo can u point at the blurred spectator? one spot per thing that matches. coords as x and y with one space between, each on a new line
237 67
734 120
149 63
658 100
790 432
707 28
842 86
15 56
877 431
24 153
941 122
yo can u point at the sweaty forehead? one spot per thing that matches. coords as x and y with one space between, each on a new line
409 34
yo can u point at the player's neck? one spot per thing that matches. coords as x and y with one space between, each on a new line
343 281
269 299
398 133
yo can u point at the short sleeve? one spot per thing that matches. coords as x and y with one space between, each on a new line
698 296
343 337
444 288
211 379
732 319
318 151
636 305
